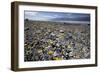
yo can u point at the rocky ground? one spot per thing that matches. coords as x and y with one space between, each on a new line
44 41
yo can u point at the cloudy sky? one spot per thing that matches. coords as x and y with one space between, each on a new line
56 16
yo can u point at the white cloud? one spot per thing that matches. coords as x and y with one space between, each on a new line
29 13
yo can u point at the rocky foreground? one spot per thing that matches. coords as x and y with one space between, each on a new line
44 41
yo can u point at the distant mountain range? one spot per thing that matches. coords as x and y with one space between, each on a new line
72 19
